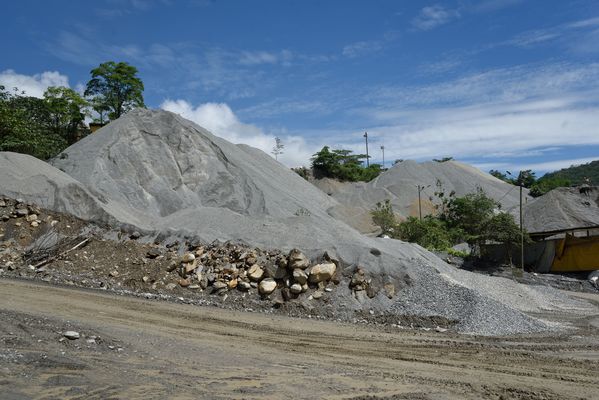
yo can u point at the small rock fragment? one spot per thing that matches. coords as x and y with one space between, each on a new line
71 335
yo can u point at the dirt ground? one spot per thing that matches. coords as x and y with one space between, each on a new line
134 348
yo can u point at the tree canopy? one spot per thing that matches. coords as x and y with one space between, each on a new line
343 165
116 88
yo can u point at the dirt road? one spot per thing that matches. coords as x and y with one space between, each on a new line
132 348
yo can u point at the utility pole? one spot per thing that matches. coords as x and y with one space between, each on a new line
520 183
367 158
420 189
383 150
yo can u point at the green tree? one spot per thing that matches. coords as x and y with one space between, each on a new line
66 111
384 217
469 214
430 232
117 86
544 185
502 228
24 126
499 175
343 165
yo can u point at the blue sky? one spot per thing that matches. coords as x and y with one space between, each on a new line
504 84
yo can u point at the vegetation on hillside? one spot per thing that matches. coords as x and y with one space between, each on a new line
538 187
343 165
45 127
576 175
474 218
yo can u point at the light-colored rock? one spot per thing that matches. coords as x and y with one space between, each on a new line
296 288
31 217
255 272
188 258
300 276
267 286
71 335
389 290
34 224
297 259
322 272
245 286
232 284
317 295
184 282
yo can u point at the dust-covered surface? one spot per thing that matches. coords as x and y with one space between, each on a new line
172 181
140 349
563 208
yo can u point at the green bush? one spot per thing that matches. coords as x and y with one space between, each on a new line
430 232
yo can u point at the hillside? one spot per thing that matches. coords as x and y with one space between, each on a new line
576 174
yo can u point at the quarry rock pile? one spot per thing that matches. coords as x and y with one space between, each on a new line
400 184
160 177
563 208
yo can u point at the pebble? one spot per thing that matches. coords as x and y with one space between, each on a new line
71 335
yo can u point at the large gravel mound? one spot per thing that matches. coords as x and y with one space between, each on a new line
161 173
563 208
400 185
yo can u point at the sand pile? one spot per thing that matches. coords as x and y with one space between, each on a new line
399 185
563 208
160 173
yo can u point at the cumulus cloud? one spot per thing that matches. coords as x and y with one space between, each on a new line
432 16
32 85
219 119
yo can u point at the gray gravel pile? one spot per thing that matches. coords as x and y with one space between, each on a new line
159 173
563 208
400 185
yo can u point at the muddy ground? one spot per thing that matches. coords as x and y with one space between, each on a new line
135 348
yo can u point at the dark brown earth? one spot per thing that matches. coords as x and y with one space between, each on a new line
153 349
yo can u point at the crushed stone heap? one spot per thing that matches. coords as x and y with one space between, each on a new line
563 208
400 183
165 176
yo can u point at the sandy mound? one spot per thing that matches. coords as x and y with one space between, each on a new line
159 172
562 208
399 185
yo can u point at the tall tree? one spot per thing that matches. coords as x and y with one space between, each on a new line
66 111
117 86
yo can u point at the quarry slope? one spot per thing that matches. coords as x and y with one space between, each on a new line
562 208
399 185
161 174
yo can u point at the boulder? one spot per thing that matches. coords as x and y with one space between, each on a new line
297 260
267 286
300 276
322 272
296 288
255 272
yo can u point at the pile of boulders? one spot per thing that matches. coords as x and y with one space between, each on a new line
18 209
220 268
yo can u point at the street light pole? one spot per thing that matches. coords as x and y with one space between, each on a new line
367 158
383 150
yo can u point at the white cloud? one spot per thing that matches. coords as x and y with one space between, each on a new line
361 48
432 16
32 85
219 119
